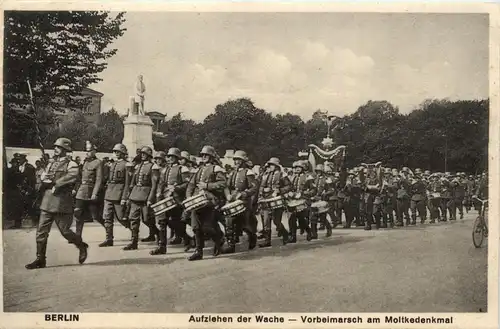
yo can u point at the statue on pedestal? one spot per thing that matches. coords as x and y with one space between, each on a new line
139 95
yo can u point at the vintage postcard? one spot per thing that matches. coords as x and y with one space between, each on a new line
244 165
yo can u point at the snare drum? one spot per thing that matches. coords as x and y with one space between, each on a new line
196 202
164 206
321 207
297 205
234 208
274 203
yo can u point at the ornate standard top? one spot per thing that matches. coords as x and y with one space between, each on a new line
139 95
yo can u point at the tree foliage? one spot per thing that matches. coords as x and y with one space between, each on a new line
59 52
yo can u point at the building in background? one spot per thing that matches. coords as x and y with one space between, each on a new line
157 118
91 110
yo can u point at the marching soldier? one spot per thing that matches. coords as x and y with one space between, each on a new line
434 188
460 194
321 190
301 189
241 186
141 197
274 182
372 199
173 180
402 196
209 179
388 195
87 190
57 201
447 198
116 195
418 201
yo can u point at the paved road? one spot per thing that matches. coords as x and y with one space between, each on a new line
427 268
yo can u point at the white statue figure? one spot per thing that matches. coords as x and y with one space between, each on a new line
140 91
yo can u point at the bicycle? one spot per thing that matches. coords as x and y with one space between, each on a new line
480 228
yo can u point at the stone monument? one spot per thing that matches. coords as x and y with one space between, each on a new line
138 127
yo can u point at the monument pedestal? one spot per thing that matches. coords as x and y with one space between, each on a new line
138 132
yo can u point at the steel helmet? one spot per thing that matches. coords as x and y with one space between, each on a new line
174 151
319 167
64 143
147 150
160 155
185 155
209 150
239 154
120 148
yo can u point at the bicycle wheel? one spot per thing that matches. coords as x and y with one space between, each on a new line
478 232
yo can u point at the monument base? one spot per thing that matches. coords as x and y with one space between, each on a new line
138 132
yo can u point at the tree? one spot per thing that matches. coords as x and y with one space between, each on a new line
178 132
108 131
76 128
59 52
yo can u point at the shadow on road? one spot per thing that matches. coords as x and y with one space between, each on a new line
278 250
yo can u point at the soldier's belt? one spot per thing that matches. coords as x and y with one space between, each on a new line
116 182
142 185
87 182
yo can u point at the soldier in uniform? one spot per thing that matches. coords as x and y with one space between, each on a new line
241 185
116 194
402 198
173 180
434 194
460 194
388 195
447 201
302 188
418 200
57 201
273 183
372 199
87 189
209 179
321 186
142 196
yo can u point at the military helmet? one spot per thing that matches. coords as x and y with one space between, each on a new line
427 172
192 159
147 150
387 171
185 155
209 150
328 170
64 143
405 169
273 161
174 151
296 164
120 148
319 167
160 155
418 170
239 154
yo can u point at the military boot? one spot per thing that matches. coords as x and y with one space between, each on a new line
368 225
132 245
252 241
162 243
328 228
231 243
189 243
153 232
292 237
109 238
267 240
82 256
284 234
413 219
160 250
41 248
314 230
197 255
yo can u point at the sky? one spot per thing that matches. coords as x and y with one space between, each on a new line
296 62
